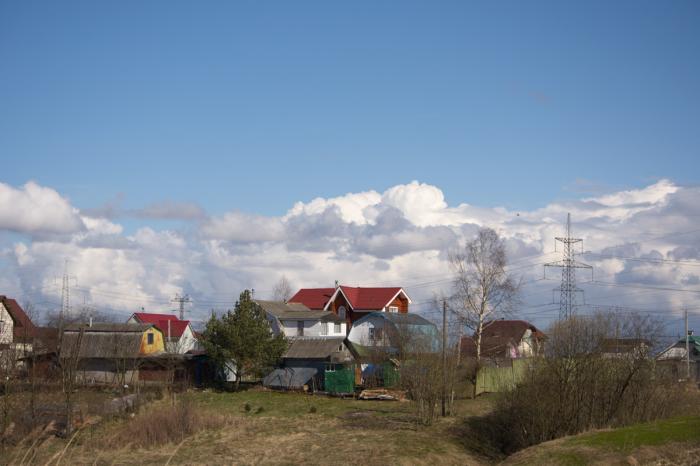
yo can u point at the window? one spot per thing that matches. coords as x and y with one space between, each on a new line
149 338
375 334
337 327
341 312
324 328
300 328
393 309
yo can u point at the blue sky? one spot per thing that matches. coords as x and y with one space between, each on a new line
255 105
207 147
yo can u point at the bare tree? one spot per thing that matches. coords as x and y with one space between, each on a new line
282 290
483 290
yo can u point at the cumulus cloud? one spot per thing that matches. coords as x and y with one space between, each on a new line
399 236
37 210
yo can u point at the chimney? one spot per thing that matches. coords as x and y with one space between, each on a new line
690 333
90 323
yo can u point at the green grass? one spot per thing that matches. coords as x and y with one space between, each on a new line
685 429
275 404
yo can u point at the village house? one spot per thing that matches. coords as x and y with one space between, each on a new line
625 347
297 320
677 361
505 339
16 328
353 303
110 353
179 335
379 340
307 361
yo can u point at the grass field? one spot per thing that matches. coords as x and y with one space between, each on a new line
263 427
670 441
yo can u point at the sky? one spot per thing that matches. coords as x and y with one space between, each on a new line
167 147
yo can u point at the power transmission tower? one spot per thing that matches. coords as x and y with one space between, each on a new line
568 264
182 300
65 296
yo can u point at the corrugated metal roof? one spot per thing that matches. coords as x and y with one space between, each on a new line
295 311
313 298
109 327
313 348
108 345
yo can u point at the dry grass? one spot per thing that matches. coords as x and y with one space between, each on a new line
216 429
163 423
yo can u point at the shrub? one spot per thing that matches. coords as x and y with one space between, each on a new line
247 407
312 409
578 386
166 423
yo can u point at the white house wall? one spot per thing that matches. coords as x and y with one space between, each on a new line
359 333
312 328
6 325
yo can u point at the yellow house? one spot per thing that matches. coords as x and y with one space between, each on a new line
110 353
152 340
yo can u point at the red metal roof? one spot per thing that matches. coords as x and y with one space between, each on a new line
177 326
151 318
369 298
359 297
313 298
22 327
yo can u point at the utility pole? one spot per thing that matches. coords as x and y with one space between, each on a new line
182 300
687 346
444 355
568 264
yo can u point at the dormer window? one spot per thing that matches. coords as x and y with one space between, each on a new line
393 309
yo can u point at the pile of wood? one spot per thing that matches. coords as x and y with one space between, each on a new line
383 394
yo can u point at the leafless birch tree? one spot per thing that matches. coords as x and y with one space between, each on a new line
483 290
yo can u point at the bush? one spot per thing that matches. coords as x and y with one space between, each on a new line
578 386
312 410
165 423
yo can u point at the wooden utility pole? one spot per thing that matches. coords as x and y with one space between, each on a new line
444 355
687 346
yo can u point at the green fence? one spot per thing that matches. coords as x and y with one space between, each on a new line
340 379
390 374
498 379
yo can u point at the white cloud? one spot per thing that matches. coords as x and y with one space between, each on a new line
36 209
398 237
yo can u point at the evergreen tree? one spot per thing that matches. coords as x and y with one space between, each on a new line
244 337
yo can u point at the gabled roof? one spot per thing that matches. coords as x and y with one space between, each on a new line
313 348
22 325
295 311
177 326
359 298
313 298
109 328
497 336
152 318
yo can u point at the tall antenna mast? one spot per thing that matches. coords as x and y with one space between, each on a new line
182 300
568 264
65 296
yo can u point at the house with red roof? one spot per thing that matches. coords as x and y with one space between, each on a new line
178 334
15 326
352 303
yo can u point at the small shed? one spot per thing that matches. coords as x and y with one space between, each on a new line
110 353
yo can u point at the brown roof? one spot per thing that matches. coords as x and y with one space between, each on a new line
23 328
296 311
109 327
314 348
108 345
623 345
497 336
